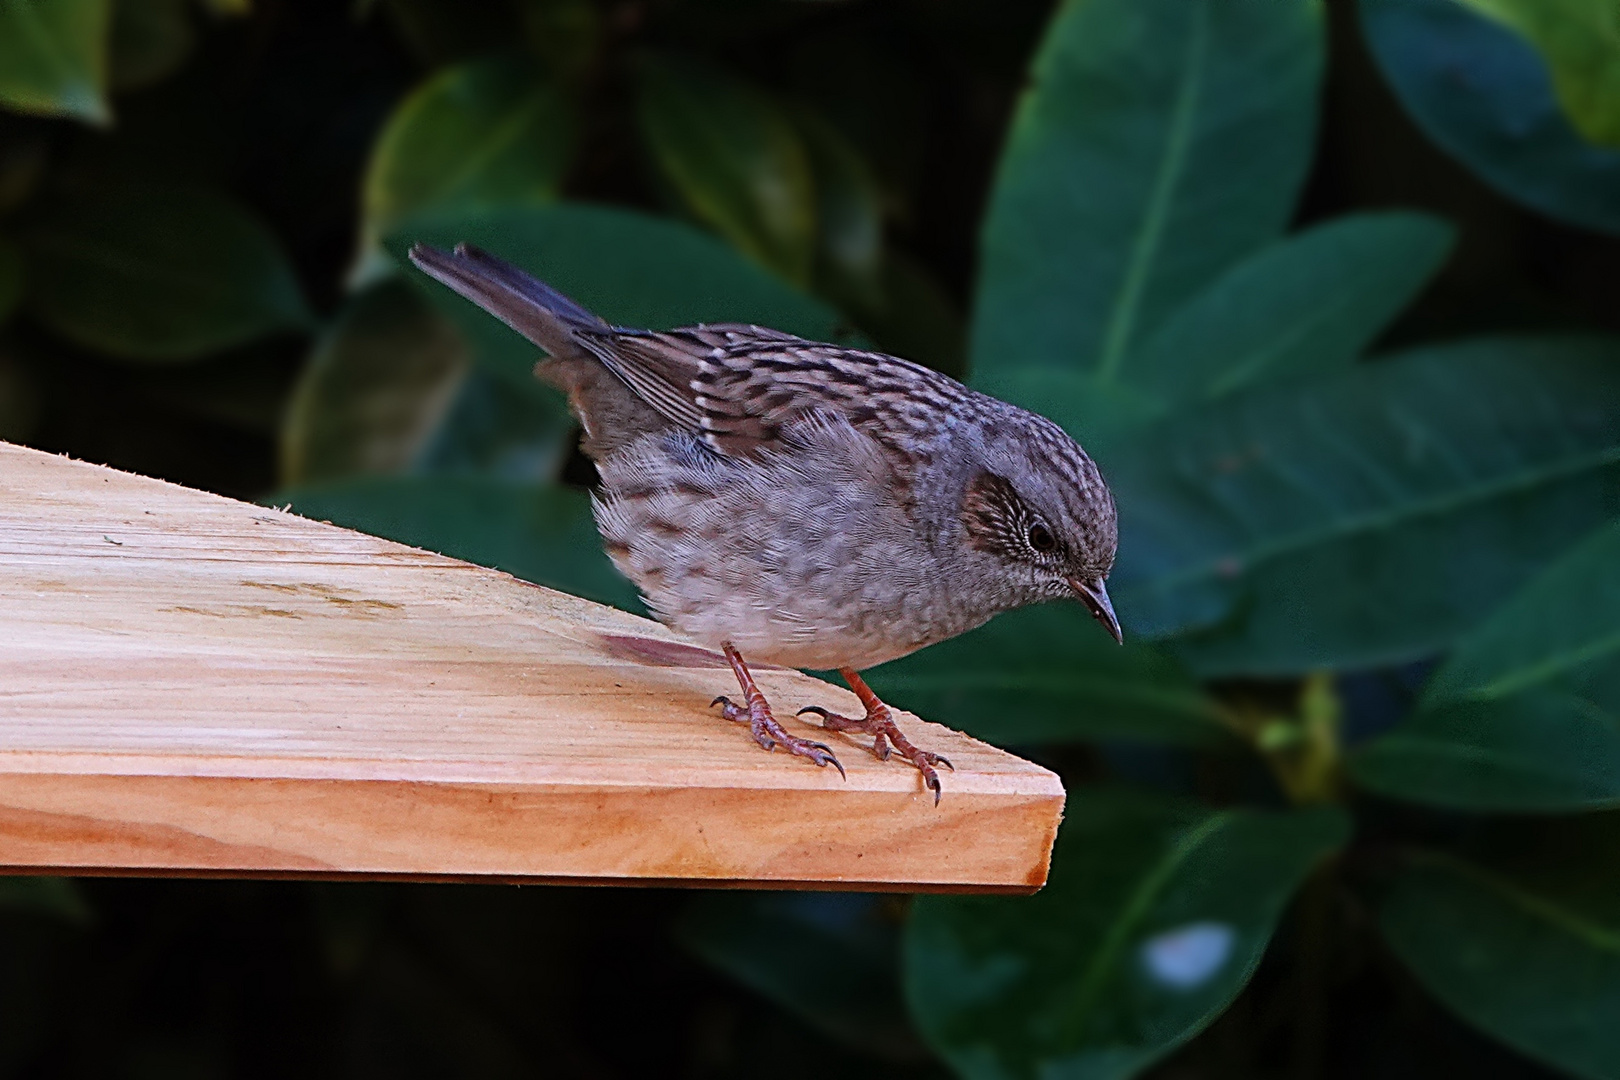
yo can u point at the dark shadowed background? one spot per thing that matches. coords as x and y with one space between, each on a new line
1331 292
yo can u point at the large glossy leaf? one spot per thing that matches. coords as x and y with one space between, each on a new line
1155 916
379 383
541 534
1051 674
1580 41
832 959
734 158
159 274
1553 749
1301 306
53 57
1567 619
1528 952
913 316
849 210
1484 96
1525 715
1094 412
474 135
1161 142
513 428
1369 517
632 269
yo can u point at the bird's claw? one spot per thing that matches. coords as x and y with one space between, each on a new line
768 733
731 710
882 727
830 758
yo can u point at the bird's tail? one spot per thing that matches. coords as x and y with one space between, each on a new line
526 304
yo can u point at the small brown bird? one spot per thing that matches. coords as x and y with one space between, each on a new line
806 504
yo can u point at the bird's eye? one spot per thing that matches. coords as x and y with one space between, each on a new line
1041 539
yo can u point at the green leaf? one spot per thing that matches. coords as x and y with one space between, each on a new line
160 274
380 381
911 315
849 209
735 160
1303 305
1161 142
832 959
516 429
1580 41
1156 915
1543 751
632 269
11 277
1564 621
1525 715
475 135
53 57
150 40
1502 120
1529 954
1051 674
541 534
1094 412
1370 517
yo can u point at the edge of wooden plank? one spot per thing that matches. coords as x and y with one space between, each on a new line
783 837
266 815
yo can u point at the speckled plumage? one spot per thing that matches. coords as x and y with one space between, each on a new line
806 504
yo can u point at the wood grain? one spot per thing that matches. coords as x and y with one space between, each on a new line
190 684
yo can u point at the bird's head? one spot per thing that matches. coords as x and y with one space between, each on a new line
1039 508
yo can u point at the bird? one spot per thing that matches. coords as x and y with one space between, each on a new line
806 504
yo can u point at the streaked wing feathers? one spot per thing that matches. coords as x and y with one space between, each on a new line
739 385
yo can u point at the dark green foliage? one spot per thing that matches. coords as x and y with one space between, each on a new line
1525 943
1160 142
158 274
1269 529
631 268
831 959
52 57
376 387
1343 804
1051 674
1525 714
1157 913
1503 120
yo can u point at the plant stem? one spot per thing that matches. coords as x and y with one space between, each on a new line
1303 750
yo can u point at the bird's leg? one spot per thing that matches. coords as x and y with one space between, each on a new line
879 723
757 714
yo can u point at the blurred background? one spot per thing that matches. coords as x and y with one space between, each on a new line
1329 290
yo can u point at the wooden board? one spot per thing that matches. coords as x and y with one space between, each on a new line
195 685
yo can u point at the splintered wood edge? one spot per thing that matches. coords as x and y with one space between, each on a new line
264 815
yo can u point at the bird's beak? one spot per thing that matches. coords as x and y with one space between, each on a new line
1095 597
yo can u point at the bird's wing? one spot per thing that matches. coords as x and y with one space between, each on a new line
741 386
738 387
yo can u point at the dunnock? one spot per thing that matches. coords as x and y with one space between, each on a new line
806 504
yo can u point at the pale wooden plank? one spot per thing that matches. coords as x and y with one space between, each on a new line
190 684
